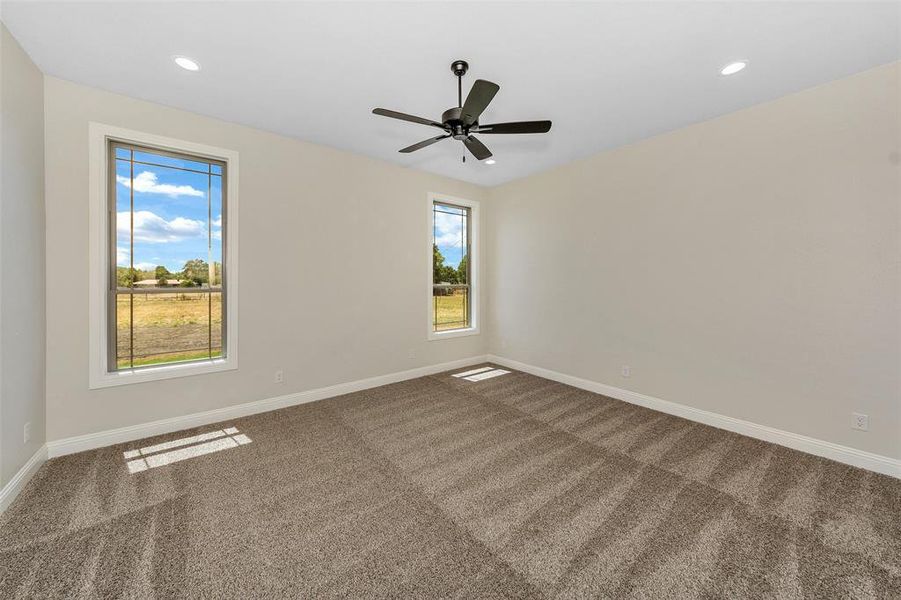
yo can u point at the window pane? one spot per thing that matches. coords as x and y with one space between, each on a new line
215 250
171 327
168 161
216 321
450 273
169 223
123 331
451 308
463 265
124 276
171 214
450 209
450 241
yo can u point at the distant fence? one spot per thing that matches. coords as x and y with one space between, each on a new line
449 289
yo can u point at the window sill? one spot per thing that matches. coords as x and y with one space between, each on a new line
453 333
148 374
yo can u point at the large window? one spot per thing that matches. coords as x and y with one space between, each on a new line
166 301
162 257
452 306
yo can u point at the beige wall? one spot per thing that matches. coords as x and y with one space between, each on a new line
333 275
21 256
747 265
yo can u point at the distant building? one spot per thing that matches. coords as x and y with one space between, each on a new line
155 283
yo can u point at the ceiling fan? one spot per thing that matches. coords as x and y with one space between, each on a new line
462 121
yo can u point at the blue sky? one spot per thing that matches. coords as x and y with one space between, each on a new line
171 213
449 234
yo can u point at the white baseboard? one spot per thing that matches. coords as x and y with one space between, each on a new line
836 452
15 485
136 432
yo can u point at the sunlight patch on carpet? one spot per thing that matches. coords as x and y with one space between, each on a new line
472 372
486 375
174 451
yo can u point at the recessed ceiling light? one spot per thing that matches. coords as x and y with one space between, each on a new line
735 67
186 63
490 161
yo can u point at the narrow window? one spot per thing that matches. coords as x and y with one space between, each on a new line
451 272
166 301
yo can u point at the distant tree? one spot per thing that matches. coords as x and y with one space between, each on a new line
186 283
162 272
449 274
126 276
463 270
442 273
197 271
437 264
217 273
162 282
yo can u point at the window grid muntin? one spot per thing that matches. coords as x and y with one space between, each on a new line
115 290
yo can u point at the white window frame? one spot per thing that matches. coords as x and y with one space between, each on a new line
99 135
474 260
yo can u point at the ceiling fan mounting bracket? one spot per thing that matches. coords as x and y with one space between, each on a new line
459 67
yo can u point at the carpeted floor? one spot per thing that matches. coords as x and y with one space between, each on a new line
439 487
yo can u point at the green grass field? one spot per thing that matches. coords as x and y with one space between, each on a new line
168 328
451 312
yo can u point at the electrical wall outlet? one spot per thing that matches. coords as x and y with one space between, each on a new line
860 421
279 376
26 433
626 371
411 354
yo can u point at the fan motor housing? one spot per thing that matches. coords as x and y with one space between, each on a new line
452 116
452 119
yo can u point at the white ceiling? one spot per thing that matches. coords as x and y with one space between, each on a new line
607 74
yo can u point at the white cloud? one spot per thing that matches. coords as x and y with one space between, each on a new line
150 227
217 228
123 259
146 181
448 230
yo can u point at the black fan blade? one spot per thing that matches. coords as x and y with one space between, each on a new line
518 127
384 112
477 101
423 144
477 148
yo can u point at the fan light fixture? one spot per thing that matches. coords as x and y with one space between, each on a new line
735 67
186 63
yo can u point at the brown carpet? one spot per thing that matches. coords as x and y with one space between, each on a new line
438 487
